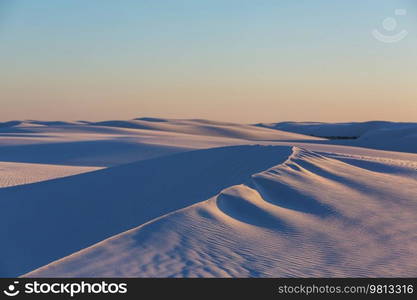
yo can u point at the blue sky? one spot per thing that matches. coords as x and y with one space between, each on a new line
244 61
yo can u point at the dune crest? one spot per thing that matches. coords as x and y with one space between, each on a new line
310 215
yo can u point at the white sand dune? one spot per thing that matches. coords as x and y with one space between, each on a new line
375 134
13 174
205 198
207 128
48 220
112 143
398 138
309 216
350 129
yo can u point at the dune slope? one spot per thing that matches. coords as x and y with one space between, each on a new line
392 136
311 215
207 128
112 143
49 220
13 174
398 138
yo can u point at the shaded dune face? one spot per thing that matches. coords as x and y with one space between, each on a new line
207 128
49 220
161 208
14 174
248 207
394 136
111 143
309 215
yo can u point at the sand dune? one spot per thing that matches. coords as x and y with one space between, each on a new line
13 174
111 143
163 197
375 134
350 129
206 128
398 138
51 219
311 215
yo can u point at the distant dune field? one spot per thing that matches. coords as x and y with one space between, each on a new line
156 197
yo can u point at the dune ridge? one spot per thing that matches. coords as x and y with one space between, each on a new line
90 207
165 197
310 215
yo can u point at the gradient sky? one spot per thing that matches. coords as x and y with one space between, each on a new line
231 60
